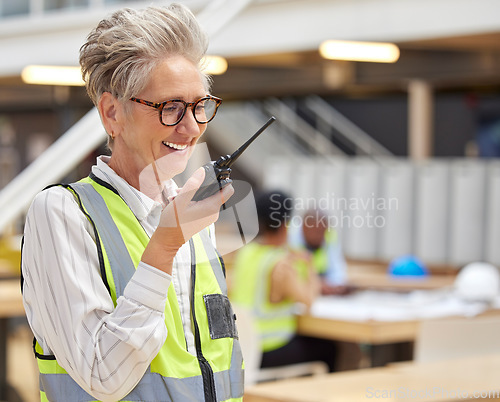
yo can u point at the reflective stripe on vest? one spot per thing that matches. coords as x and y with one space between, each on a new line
174 374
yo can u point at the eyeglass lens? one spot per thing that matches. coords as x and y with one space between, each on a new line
204 110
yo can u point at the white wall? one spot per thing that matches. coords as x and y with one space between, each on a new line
445 211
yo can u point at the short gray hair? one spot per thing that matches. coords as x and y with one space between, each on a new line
121 52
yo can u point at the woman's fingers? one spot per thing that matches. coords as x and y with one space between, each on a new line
226 193
193 216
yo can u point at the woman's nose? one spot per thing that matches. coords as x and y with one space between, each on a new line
188 122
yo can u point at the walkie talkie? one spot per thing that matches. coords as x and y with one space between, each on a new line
217 172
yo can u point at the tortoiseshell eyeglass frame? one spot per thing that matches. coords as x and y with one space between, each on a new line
161 105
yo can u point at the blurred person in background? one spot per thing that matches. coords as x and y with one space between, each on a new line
122 285
322 241
270 279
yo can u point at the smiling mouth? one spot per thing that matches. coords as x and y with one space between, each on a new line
178 147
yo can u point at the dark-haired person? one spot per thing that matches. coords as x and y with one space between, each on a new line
322 241
270 279
123 288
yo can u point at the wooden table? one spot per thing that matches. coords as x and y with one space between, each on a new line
363 279
11 305
438 381
372 332
389 340
11 301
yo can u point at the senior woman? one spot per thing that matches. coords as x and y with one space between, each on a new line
123 288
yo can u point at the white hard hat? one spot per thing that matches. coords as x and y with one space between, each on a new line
478 281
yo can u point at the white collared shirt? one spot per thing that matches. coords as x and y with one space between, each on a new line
106 349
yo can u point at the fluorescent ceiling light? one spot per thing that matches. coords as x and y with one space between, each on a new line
52 75
377 52
214 65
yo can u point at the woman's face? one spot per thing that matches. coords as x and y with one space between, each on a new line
144 142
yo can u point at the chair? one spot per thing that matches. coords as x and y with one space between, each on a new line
252 354
457 337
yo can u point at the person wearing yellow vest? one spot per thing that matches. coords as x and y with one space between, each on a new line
271 280
122 284
314 234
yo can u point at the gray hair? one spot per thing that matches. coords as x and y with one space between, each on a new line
121 52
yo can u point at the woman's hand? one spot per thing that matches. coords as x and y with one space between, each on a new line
181 219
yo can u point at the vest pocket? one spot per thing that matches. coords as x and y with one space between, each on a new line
221 318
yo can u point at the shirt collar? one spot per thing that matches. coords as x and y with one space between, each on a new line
141 205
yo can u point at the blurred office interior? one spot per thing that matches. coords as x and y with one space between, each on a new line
423 130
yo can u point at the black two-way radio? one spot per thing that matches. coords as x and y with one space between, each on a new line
217 172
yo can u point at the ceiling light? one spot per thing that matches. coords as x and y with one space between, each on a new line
214 65
52 75
377 52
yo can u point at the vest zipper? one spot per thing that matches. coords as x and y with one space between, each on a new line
207 373
208 379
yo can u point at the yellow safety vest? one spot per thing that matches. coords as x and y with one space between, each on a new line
275 322
320 255
216 372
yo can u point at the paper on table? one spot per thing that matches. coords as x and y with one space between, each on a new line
392 306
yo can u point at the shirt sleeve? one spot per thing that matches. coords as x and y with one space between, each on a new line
105 348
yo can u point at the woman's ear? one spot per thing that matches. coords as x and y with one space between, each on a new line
110 111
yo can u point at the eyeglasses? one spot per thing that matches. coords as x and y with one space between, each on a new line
172 111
